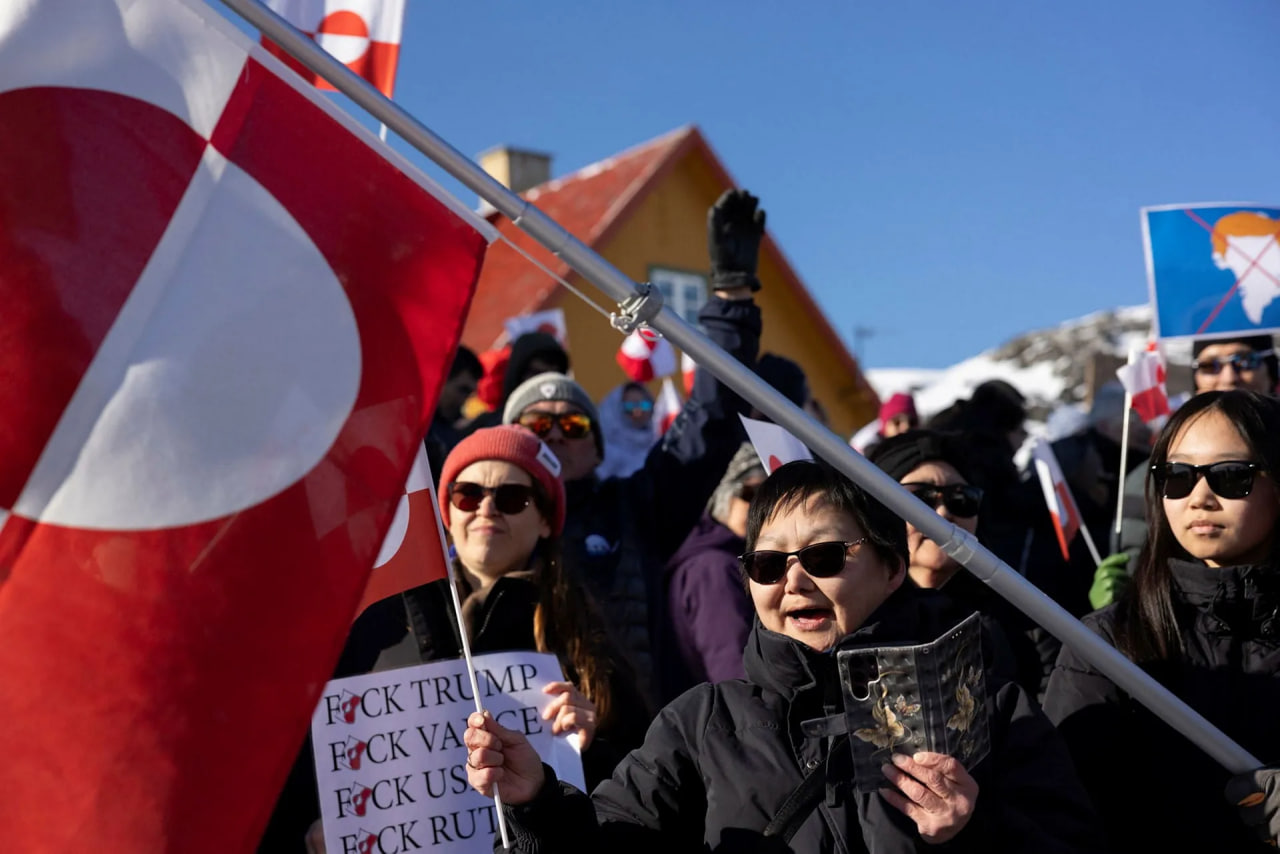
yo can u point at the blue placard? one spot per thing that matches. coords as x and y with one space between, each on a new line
1214 269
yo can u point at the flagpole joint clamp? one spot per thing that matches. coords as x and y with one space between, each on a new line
637 310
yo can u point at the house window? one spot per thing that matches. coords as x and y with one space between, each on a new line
685 292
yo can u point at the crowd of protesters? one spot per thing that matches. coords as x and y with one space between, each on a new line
699 604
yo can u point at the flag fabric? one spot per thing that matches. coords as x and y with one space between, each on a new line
775 445
688 370
550 321
227 318
1144 380
645 355
412 554
362 34
666 407
1057 495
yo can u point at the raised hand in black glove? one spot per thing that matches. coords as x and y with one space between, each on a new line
1256 797
735 225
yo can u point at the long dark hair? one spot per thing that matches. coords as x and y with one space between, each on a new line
1147 629
569 624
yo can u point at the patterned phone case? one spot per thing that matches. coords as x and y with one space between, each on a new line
904 699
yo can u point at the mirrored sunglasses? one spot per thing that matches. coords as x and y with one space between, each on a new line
821 560
1229 479
573 425
1238 361
962 500
508 498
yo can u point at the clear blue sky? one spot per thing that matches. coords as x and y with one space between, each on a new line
947 173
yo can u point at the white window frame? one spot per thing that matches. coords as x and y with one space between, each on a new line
675 286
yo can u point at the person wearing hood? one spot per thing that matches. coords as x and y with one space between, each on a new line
752 765
626 422
936 468
531 354
1202 616
708 608
621 531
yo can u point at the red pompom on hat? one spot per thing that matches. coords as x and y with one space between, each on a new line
513 444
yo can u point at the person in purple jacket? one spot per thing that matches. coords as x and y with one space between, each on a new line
707 604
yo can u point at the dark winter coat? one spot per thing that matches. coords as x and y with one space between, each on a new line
620 533
720 761
1154 789
1032 656
709 609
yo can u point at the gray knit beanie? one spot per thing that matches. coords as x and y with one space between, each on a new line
548 387
745 464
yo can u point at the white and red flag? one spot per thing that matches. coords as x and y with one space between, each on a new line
362 34
1143 379
666 407
412 554
1057 495
226 321
688 370
775 445
645 355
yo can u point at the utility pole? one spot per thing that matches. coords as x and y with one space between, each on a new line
861 334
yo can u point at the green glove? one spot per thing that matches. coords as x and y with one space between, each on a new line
1109 580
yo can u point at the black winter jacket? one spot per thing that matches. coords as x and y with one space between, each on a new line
720 761
620 532
1155 790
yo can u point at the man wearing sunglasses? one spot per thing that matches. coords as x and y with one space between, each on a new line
620 532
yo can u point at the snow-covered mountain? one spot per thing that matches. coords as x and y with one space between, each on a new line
1048 366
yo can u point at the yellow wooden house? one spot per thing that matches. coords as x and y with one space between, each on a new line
645 211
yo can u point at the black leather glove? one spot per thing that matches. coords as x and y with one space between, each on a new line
735 225
1256 797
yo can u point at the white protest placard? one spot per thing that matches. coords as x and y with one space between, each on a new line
391 764
774 444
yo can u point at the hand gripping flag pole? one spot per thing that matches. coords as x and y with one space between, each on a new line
641 304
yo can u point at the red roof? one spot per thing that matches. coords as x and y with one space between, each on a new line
590 204
587 203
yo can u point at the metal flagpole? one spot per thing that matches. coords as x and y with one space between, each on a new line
1124 458
641 304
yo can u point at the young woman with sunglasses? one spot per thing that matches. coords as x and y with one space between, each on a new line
1202 615
825 568
935 468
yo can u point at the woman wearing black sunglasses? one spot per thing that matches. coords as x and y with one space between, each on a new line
733 767
935 467
1202 615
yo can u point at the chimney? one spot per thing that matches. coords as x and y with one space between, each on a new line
517 169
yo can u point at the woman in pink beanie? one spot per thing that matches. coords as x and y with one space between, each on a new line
503 502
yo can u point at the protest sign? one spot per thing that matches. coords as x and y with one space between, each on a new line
1214 270
391 764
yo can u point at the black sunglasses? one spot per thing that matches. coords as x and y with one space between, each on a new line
508 499
821 560
961 499
1229 479
1238 361
574 425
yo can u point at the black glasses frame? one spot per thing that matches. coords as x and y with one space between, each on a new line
963 500
1239 362
509 499
766 566
1231 479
